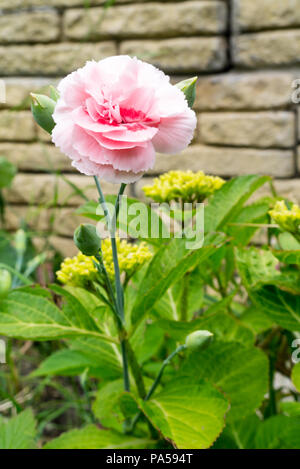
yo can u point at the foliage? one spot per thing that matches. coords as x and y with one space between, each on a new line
223 395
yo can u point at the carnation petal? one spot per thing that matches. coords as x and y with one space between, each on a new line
175 133
134 159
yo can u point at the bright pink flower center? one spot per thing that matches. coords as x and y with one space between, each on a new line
115 115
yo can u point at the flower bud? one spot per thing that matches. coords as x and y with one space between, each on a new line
198 340
87 239
42 108
188 87
5 282
54 94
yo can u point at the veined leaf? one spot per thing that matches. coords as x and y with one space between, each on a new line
240 230
189 412
92 437
105 356
223 326
169 305
228 201
257 268
146 340
240 372
105 406
279 432
75 309
169 264
239 434
18 432
28 316
70 362
282 307
256 320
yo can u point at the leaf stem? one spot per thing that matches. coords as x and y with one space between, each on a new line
111 225
157 380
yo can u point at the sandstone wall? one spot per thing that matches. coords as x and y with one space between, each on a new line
246 53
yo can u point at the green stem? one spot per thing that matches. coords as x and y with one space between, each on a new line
136 371
157 380
111 224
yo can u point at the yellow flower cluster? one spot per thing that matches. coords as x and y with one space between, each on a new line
288 220
183 185
130 256
80 270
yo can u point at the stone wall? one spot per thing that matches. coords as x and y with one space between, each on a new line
246 53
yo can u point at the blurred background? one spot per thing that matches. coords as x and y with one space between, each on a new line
245 52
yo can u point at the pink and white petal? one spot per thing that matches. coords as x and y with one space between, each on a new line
86 167
106 172
134 133
63 136
110 174
140 99
171 101
113 144
89 147
175 133
134 159
82 119
72 90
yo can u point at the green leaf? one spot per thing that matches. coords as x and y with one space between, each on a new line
92 437
28 316
146 340
296 376
7 172
105 406
258 267
169 264
281 307
279 432
228 201
168 306
255 213
18 432
256 320
239 434
291 409
189 412
106 357
73 362
288 257
188 87
288 242
75 310
240 372
222 325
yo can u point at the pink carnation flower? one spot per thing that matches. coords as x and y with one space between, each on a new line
113 115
